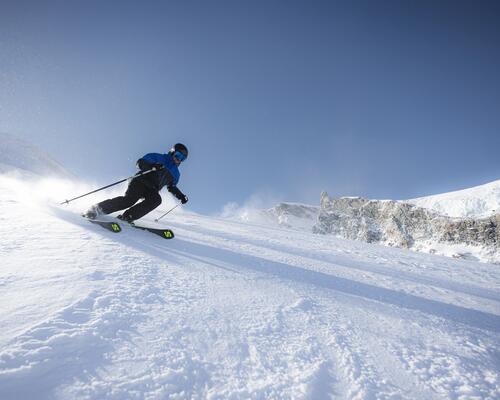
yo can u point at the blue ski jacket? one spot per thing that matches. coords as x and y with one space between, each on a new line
168 176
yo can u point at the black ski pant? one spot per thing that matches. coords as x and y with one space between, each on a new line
136 190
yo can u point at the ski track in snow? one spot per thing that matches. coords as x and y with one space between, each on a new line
229 310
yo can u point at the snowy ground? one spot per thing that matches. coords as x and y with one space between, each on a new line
229 310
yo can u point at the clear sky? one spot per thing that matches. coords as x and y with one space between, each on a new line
279 99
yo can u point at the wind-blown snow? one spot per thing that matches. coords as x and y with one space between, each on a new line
232 310
17 154
297 216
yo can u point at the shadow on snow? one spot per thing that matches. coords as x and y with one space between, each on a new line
216 256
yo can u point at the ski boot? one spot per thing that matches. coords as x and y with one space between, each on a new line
93 212
126 218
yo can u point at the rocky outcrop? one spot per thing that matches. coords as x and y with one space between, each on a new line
484 231
405 225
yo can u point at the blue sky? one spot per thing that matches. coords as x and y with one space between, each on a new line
279 99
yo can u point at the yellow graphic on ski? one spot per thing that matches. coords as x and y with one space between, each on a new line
110 226
164 233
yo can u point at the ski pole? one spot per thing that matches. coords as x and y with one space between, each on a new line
172 209
105 187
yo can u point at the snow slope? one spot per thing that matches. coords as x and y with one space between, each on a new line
231 310
479 201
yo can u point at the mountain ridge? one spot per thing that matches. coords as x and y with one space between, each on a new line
470 228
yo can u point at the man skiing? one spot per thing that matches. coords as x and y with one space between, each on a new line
165 172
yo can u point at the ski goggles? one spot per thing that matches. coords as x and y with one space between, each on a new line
180 156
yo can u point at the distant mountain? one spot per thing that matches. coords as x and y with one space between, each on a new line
18 154
462 224
405 225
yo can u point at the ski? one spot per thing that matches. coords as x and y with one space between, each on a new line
110 226
164 233
116 228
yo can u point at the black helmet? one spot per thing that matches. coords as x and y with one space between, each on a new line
180 148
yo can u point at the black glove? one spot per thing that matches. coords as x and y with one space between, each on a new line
177 193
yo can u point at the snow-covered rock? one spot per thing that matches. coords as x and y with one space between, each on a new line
406 225
462 224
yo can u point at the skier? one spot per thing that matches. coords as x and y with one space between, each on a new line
165 173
